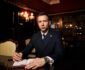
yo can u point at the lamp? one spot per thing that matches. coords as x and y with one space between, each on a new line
27 15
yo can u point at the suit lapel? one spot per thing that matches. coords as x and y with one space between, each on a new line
40 41
48 38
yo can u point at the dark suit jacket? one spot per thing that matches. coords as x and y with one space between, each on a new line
51 46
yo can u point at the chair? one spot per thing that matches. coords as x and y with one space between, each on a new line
27 41
7 49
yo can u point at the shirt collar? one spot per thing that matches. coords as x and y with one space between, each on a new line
44 33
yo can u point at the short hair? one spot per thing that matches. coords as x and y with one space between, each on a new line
43 13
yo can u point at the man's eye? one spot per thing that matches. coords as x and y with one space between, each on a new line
39 21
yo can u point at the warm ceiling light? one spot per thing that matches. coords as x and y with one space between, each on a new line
27 15
32 16
51 2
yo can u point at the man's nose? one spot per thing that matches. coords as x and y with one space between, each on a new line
42 23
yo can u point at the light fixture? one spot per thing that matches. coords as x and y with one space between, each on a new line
27 15
51 2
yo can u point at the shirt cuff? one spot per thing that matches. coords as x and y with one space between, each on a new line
51 61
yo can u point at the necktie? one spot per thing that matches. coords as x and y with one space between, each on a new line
43 36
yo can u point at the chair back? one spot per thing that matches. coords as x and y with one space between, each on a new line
7 48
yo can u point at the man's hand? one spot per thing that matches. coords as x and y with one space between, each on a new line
17 56
35 63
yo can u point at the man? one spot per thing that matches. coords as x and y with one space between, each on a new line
48 48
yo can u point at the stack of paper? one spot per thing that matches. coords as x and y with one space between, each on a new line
22 62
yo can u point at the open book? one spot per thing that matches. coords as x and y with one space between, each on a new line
22 62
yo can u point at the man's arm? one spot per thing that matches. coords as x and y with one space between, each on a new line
27 50
24 54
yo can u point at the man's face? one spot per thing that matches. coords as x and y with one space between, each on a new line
43 22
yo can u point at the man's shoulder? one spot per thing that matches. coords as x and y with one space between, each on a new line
54 31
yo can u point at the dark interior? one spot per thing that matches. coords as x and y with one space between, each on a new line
73 39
